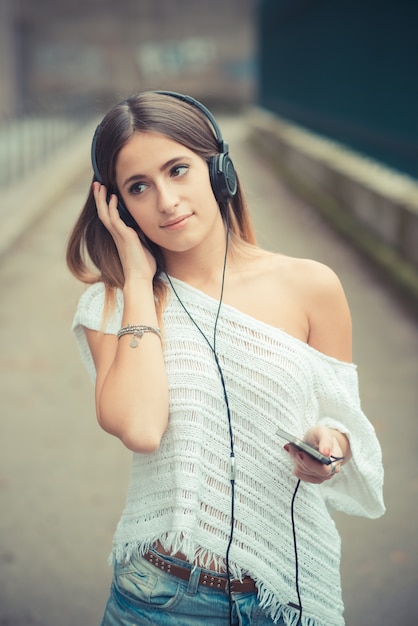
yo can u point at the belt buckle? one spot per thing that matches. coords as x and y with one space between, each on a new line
229 585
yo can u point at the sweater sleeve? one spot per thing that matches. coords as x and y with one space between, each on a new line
358 488
90 314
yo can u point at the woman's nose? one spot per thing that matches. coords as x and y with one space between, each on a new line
168 198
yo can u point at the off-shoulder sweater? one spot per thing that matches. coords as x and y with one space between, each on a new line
181 494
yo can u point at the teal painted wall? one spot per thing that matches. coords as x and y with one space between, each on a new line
347 69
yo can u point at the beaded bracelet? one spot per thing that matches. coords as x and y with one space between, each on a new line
137 330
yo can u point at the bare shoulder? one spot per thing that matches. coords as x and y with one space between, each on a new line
318 291
313 277
319 279
303 297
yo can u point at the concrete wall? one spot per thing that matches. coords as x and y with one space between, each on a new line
372 205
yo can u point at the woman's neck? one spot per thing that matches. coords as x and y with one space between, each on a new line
204 274
200 266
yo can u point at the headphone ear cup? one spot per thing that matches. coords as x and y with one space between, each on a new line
125 215
222 177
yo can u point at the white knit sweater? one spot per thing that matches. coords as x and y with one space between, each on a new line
181 494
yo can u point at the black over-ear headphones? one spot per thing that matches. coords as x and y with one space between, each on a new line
223 178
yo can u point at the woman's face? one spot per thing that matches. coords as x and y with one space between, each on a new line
166 188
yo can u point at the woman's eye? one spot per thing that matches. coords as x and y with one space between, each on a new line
137 188
179 170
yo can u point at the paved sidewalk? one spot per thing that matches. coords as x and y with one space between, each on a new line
63 481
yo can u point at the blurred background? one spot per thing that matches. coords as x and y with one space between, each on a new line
62 62
89 52
319 104
344 69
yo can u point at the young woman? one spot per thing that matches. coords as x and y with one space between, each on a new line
201 346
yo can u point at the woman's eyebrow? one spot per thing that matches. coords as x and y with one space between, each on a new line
164 166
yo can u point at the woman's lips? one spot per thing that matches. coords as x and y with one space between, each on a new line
177 222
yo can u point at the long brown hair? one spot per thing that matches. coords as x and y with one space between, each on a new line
90 242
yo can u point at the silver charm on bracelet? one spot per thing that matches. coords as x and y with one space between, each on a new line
137 331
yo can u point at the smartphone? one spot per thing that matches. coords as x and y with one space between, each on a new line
305 447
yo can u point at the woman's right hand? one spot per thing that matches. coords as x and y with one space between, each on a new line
137 261
131 385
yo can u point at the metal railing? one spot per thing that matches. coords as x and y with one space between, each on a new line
30 138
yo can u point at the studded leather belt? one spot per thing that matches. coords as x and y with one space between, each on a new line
247 585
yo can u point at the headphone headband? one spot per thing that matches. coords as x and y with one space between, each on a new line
223 147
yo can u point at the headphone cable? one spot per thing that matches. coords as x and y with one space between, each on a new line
231 437
292 515
232 454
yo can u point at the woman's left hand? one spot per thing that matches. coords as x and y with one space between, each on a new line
330 443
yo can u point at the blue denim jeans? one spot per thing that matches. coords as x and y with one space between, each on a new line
141 594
